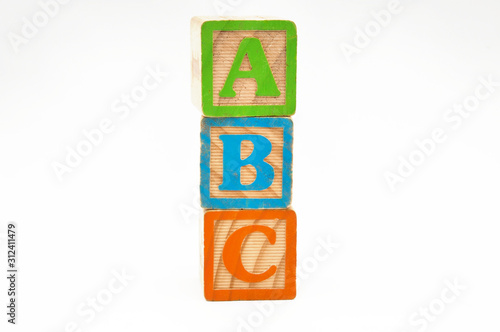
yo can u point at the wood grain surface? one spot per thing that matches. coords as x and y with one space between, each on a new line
248 173
257 253
215 44
225 46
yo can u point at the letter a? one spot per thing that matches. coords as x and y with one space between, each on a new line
261 72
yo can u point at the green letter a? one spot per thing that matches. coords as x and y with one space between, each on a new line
261 72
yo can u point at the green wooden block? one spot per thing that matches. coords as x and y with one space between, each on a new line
244 67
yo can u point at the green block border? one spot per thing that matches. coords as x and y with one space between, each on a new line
209 109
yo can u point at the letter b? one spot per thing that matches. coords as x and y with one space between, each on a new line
232 162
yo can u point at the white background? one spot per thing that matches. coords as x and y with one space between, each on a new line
130 205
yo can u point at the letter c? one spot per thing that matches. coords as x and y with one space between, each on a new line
231 253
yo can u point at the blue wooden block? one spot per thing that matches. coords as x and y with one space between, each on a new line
246 163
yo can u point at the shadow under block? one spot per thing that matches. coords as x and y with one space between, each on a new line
246 163
244 67
249 255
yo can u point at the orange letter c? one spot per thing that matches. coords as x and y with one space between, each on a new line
231 253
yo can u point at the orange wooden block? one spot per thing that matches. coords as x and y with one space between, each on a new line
250 254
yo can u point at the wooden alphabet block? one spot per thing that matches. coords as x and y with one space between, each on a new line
249 254
244 67
246 163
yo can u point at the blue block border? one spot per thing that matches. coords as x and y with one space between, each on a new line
246 203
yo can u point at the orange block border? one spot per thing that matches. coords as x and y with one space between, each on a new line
286 293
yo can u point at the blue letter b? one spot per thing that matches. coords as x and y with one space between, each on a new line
232 163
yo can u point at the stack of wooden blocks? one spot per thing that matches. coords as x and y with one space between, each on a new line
244 82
